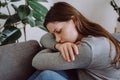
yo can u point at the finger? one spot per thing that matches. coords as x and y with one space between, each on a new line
66 54
78 42
75 49
71 53
63 54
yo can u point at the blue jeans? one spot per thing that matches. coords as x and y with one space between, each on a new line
49 75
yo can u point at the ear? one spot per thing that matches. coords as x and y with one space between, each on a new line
72 17
74 20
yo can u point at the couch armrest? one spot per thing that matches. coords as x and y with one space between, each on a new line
16 59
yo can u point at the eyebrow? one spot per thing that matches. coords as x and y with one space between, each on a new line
53 31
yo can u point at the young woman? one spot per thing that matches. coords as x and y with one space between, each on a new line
74 42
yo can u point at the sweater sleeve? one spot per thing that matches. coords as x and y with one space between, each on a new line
48 41
45 60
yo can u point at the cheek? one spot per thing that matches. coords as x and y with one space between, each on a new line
70 35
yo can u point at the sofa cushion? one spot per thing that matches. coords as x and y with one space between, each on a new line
16 59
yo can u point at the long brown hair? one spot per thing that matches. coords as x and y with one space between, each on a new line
62 11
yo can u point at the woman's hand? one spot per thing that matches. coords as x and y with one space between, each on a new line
68 50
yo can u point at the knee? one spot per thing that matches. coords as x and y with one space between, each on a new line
47 73
50 75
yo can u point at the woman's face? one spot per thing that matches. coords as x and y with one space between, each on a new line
63 31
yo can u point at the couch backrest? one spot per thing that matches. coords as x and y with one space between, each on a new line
16 59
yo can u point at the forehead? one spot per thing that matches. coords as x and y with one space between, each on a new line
51 26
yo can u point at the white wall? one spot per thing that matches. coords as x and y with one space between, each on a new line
99 11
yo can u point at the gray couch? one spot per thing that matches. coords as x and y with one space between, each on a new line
15 60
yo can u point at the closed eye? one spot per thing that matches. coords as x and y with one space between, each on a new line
58 31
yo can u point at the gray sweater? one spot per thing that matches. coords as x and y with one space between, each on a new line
93 58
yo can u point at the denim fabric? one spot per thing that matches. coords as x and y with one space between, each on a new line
49 75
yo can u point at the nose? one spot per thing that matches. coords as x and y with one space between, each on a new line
57 38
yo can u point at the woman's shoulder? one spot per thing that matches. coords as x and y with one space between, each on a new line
97 44
100 47
95 40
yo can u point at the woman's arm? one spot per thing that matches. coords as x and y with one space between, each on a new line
48 41
55 61
68 50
